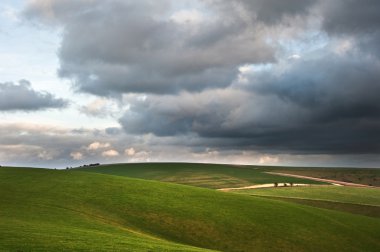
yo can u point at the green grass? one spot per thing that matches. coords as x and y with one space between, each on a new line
202 175
354 195
49 210
365 201
367 210
44 210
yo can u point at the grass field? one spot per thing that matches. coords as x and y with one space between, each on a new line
202 175
51 210
364 201
366 196
354 175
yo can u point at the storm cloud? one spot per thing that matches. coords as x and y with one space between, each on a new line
23 97
279 77
357 20
155 47
233 119
351 16
269 12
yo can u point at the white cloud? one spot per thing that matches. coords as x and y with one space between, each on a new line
100 107
295 57
192 16
76 155
45 155
141 156
268 160
98 145
110 153
94 107
130 152
343 47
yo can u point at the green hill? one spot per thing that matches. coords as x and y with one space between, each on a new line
202 175
364 176
51 210
357 200
355 195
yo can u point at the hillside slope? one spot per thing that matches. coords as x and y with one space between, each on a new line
364 176
358 200
202 175
343 194
65 210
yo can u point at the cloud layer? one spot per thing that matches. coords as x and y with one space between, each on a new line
26 144
152 47
285 77
23 97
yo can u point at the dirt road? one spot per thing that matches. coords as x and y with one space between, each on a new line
260 186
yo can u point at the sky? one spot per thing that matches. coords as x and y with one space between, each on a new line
261 82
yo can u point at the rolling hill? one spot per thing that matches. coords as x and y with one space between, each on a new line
366 176
365 201
202 175
50 210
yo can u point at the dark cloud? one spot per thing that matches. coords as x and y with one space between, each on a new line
225 114
270 12
113 47
324 101
336 87
325 105
273 11
351 16
359 20
52 146
22 97
113 131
